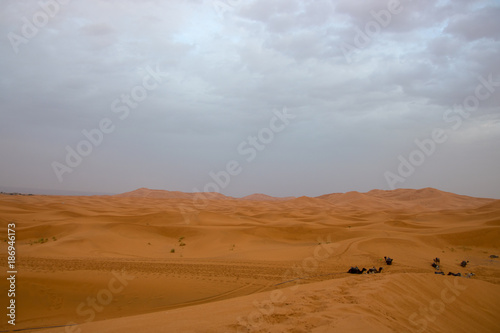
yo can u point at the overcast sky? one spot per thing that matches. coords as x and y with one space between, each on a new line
280 97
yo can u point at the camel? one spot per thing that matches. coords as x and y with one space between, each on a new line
356 270
437 260
464 263
455 274
440 273
469 275
436 266
388 260
374 270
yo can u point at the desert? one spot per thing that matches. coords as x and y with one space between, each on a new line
256 166
160 261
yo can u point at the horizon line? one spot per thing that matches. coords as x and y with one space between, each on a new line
56 192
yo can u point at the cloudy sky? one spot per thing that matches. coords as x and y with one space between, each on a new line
280 97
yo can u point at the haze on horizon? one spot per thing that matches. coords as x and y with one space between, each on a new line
287 97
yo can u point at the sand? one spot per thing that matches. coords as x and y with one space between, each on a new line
159 261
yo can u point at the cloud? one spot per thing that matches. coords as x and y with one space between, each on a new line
483 23
226 74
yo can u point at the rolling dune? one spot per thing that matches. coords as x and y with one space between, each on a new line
160 261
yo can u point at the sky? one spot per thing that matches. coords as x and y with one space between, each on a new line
285 97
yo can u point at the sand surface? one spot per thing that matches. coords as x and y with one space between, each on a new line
158 261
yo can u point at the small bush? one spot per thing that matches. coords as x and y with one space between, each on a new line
41 241
172 251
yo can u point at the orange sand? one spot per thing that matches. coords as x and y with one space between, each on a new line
256 264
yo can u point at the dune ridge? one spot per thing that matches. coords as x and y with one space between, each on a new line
423 199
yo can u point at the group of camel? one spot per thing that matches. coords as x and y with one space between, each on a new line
437 262
388 261
356 270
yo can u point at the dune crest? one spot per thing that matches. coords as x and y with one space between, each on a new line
264 197
422 199
163 194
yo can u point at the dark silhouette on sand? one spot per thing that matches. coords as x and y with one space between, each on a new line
374 270
356 270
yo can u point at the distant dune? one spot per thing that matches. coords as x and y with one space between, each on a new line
162 194
424 199
264 197
162 261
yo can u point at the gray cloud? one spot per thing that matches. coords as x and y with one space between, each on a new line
482 23
224 73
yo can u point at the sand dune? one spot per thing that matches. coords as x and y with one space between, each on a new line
423 199
264 197
162 194
349 304
161 261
